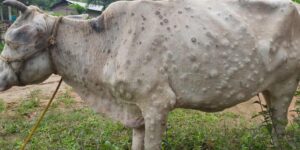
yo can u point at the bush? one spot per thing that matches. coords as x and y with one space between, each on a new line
297 1
78 8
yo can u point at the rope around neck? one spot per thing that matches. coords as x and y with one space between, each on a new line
33 129
52 40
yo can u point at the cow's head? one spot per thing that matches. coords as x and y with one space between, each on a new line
25 58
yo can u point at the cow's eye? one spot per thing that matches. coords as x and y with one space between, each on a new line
7 43
11 45
14 46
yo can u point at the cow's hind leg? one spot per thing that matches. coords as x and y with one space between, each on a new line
155 111
278 98
138 136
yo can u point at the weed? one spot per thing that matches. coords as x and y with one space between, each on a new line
35 94
2 105
297 93
66 98
11 128
30 105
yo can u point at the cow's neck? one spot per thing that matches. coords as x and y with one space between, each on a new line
81 51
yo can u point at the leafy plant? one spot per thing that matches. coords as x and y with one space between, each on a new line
104 3
78 8
297 1
1 46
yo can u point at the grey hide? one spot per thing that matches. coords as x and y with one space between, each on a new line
141 59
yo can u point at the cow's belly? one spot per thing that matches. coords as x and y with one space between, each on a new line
214 89
215 94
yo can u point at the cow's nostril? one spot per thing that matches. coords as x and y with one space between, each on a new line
3 85
4 78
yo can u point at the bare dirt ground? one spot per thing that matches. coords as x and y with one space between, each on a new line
16 94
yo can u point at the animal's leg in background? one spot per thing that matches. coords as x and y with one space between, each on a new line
279 98
138 136
155 111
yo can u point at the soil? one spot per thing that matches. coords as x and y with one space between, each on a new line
15 95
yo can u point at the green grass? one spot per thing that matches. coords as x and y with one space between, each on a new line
1 46
66 99
2 105
30 104
297 1
196 130
68 128
74 129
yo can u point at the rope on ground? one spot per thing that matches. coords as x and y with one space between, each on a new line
34 128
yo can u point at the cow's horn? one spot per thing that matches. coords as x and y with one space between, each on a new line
16 4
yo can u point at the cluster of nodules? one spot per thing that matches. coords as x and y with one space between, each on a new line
120 91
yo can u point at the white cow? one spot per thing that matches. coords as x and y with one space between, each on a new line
141 59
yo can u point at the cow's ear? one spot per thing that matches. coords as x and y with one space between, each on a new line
16 4
40 23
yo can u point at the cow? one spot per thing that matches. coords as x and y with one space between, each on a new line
141 59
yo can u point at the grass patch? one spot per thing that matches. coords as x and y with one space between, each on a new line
193 130
66 98
187 130
2 106
69 128
30 104
75 129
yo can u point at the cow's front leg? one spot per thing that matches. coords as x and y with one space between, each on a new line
279 98
155 125
155 111
138 136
